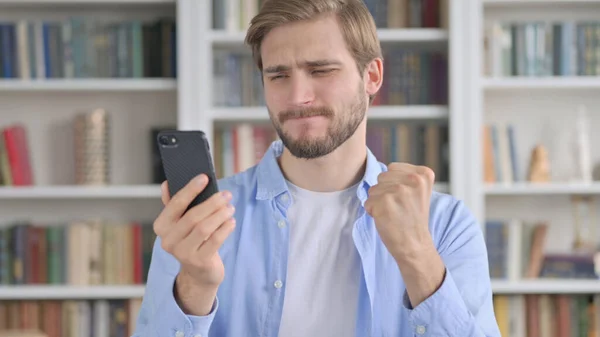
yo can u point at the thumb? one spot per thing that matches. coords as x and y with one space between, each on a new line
165 197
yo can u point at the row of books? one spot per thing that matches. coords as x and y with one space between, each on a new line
517 250
409 13
238 147
540 48
410 78
544 315
413 78
91 252
418 143
500 158
235 15
84 47
71 318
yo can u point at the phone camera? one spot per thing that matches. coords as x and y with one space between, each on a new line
164 140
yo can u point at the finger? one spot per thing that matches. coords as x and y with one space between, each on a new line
164 197
200 212
401 167
412 176
428 173
215 241
196 216
179 203
203 230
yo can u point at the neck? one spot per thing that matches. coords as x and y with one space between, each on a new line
336 171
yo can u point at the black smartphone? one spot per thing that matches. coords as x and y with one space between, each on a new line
185 155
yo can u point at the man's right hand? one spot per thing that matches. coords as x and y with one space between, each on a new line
194 239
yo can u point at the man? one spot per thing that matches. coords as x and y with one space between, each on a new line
318 239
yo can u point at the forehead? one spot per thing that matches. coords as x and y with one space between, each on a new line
304 41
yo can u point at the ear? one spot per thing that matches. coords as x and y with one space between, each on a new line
373 76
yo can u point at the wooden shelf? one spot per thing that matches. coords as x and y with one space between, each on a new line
520 83
260 114
64 292
88 85
546 286
543 189
81 192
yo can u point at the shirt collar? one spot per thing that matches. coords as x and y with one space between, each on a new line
271 182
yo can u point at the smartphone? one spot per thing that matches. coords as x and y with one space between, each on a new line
185 155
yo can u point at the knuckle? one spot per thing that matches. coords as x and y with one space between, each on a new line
158 228
426 172
416 179
202 231
398 188
179 201
166 245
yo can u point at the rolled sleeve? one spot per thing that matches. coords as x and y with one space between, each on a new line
174 320
444 313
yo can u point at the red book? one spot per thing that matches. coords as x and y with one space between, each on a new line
15 139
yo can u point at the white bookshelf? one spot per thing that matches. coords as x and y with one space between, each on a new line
138 104
541 109
414 38
46 107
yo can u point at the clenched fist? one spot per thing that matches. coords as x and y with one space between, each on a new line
399 204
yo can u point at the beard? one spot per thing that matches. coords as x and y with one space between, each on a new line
343 125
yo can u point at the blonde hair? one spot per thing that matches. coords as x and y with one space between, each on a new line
356 23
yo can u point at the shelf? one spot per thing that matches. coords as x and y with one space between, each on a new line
63 292
260 114
546 286
79 192
542 189
498 3
85 2
590 82
220 37
149 84
413 34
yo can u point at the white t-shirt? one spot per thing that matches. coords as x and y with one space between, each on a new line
323 273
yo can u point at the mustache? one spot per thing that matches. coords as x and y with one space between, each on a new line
304 113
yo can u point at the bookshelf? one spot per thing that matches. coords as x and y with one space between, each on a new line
533 69
69 75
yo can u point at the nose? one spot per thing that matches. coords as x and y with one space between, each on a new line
301 91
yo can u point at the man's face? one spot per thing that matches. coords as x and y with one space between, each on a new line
315 96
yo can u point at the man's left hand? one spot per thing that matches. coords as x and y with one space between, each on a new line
399 204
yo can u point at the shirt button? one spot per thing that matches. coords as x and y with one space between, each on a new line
284 198
179 334
278 284
281 224
420 329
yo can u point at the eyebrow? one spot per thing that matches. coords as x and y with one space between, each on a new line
316 63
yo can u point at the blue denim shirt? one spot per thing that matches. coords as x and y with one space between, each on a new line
250 299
